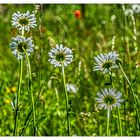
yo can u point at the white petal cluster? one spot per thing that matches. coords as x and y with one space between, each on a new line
16 46
109 98
60 54
71 88
136 8
105 62
24 20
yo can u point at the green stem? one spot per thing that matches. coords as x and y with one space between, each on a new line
16 127
30 91
32 97
22 32
134 96
111 80
124 56
66 96
57 97
120 123
108 116
124 74
100 129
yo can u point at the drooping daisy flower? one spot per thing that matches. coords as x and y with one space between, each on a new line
105 62
109 98
24 20
60 54
21 44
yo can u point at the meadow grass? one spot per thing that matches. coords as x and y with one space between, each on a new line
39 98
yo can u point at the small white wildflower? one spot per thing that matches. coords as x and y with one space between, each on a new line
37 7
113 17
71 88
105 62
60 54
128 12
136 8
24 20
21 44
109 98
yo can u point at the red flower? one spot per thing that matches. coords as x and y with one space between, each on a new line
77 13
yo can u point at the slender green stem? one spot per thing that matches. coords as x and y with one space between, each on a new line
120 123
16 127
66 96
134 96
30 90
124 57
108 117
111 79
100 129
124 74
22 32
57 97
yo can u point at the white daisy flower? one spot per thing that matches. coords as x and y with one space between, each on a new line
128 12
60 54
136 8
105 62
24 20
71 88
109 98
21 44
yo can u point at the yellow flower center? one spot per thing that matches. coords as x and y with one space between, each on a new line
60 57
108 99
22 46
23 21
107 64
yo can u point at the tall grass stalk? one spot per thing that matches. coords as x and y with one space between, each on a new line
136 100
100 129
16 127
66 96
31 93
135 97
134 32
124 61
57 97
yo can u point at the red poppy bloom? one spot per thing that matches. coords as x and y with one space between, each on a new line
77 13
